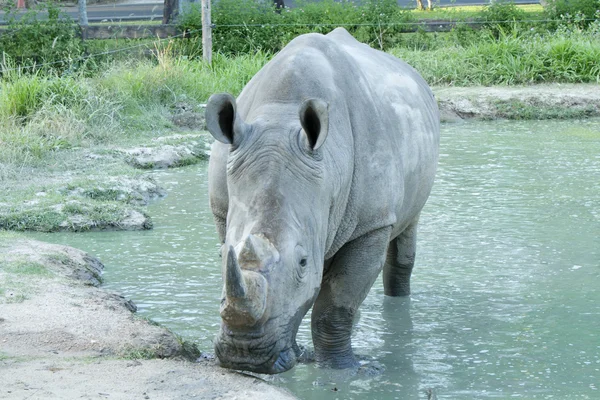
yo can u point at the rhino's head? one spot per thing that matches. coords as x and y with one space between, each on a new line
276 229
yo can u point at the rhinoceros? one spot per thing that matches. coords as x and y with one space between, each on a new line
317 177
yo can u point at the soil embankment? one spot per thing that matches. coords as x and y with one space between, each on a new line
552 101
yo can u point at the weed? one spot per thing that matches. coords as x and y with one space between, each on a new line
520 110
41 38
24 267
578 12
502 17
15 297
54 215
512 59
140 353
246 26
60 258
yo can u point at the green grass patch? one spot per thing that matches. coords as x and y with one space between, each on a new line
12 298
520 110
139 354
42 115
462 13
14 287
8 235
512 59
25 267
60 258
72 215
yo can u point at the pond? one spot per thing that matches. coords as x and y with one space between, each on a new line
506 288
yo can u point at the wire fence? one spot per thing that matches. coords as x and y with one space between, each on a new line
3 69
190 33
405 23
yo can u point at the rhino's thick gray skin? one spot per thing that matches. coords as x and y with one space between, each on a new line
319 173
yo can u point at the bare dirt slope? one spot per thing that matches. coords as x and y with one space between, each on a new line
519 102
63 338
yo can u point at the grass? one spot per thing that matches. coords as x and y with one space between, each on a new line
189 350
44 114
56 214
7 235
24 267
513 59
520 110
140 353
461 13
19 279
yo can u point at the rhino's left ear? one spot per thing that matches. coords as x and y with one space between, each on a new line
222 120
314 118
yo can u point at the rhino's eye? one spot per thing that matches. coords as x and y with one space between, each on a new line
303 262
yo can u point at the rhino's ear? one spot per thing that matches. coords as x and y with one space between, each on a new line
222 120
314 118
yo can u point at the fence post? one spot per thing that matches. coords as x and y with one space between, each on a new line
83 19
206 32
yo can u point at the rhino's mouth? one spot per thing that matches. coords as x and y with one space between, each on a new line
256 355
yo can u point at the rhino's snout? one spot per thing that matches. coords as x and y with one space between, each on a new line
264 360
245 299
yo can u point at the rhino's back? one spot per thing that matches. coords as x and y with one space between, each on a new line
397 143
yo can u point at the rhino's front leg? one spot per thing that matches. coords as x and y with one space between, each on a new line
345 285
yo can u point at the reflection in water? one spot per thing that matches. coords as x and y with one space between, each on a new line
505 299
400 353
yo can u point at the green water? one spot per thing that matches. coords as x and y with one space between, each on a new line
506 292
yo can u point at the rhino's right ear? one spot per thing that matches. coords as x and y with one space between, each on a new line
222 119
314 118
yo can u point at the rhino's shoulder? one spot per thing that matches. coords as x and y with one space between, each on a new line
331 45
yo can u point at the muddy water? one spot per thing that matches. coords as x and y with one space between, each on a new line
506 292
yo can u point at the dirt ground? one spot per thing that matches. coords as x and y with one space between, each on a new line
61 337
519 102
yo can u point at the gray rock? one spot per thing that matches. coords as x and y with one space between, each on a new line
186 115
166 156
137 191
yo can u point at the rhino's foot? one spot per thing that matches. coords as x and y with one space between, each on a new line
304 354
337 361
370 369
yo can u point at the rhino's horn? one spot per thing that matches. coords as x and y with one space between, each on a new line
249 252
255 250
234 280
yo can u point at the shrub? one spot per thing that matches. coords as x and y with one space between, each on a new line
35 39
502 16
582 12
243 26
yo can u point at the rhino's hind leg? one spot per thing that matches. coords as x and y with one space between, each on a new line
345 285
400 261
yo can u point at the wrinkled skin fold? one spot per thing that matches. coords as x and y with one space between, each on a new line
317 178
